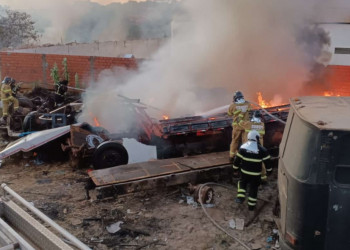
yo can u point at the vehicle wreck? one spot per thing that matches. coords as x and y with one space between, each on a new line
81 144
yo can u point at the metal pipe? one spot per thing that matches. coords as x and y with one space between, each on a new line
42 216
22 242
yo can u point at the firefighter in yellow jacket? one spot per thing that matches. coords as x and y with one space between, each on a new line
7 98
239 110
258 125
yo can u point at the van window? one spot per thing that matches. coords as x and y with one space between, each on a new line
342 150
300 149
342 174
342 160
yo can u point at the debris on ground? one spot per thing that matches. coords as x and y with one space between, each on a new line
239 224
115 227
154 213
232 223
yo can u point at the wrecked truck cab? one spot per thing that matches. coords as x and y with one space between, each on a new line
81 144
314 175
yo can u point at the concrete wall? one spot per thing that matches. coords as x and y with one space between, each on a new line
142 49
33 67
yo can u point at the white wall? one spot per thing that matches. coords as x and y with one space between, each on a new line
340 38
142 49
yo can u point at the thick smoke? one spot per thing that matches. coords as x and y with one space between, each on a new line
63 21
219 47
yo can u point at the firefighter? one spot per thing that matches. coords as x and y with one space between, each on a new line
257 124
249 161
14 87
7 98
60 91
239 110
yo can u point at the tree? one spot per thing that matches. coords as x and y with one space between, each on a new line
17 28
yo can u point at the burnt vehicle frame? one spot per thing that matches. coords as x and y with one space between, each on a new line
82 144
197 134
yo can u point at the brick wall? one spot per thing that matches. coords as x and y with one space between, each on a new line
339 79
29 68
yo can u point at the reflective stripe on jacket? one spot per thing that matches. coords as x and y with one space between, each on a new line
258 126
250 163
5 92
239 112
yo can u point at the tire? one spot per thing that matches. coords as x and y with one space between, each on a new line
109 154
29 122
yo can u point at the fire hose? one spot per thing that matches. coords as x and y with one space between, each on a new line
256 104
213 221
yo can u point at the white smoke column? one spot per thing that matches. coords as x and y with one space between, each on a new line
245 45
90 20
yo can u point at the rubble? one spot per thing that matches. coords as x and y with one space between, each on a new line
137 221
162 216
81 144
115 227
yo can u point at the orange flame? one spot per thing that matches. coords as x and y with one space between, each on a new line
262 102
165 117
330 93
97 123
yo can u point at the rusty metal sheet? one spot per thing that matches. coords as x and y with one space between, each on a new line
78 135
156 168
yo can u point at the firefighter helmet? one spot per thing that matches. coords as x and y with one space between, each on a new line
253 136
7 79
238 95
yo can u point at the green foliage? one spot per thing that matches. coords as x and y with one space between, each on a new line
65 69
54 74
16 28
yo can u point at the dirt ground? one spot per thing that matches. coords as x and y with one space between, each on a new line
153 219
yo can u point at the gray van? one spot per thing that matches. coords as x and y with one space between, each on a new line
314 175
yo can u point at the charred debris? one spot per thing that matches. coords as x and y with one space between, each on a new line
45 126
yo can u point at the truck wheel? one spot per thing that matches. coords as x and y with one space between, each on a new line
110 154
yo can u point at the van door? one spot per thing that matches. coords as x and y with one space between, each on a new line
339 196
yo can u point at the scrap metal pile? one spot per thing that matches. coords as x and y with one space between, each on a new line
84 145
38 111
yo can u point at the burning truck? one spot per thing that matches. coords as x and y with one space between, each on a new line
84 144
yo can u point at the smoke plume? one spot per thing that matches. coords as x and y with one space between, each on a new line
216 48
219 47
63 21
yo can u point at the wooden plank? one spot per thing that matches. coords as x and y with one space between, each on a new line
137 171
218 173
